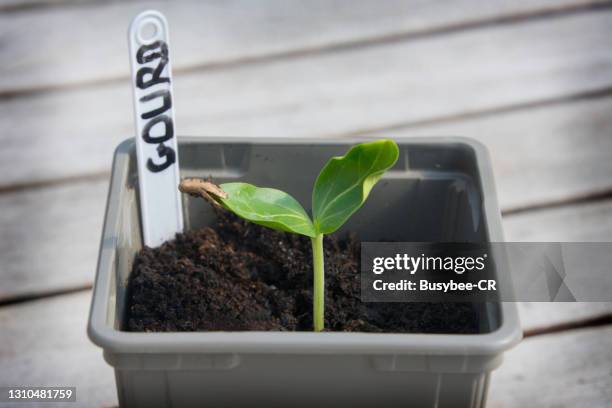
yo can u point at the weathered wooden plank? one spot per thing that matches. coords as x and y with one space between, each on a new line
43 53
50 238
44 343
572 223
318 95
540 154
570 369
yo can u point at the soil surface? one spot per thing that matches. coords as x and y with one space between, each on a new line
237 275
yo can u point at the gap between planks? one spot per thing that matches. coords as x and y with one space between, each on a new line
46 294
33 185
590 197
599 320
29 6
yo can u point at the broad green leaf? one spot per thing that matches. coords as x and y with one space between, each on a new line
345 182
268 207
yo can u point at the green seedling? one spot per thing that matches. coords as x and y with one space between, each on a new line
340 189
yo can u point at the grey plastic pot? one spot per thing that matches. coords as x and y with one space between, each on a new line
440 190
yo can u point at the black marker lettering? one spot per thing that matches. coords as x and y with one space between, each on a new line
142 58
155 74
168 130
166 103
162 151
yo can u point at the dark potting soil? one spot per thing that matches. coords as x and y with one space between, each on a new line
237 275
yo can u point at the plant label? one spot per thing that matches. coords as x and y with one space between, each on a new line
156 147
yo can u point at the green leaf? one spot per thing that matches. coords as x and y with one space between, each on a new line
345 182
268 207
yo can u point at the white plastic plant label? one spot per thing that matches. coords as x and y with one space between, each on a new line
156 147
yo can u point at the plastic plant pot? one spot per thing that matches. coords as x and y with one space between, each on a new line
439 190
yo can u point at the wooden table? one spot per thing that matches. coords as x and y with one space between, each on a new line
531 79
